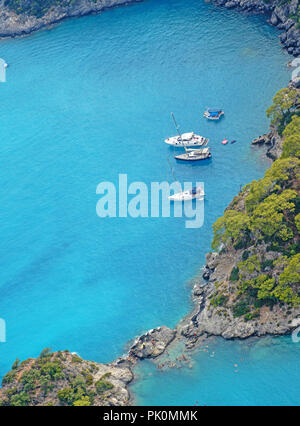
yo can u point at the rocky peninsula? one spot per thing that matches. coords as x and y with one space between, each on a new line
64 379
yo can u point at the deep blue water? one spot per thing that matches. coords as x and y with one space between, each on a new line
91 99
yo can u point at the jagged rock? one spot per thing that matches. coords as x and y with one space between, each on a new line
288 24
295 323
198 290
283 37
274 19
275 142
206 274
212 260
279 13
296 83
230 4
153 343
261 140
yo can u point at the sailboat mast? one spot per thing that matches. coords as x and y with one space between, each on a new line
177 128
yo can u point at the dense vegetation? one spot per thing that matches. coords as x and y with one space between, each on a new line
263 221
54 379
36 8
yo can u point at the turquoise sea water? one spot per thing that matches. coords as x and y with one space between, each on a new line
91 99
253 372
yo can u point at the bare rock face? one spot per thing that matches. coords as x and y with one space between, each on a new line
273 142
211 321
153 343
263 140
275 150
212 260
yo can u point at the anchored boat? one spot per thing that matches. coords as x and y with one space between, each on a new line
194 155
186 139
195 193
213 114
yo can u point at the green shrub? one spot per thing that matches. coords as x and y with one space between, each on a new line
102 386
220 300
240 309
83 402
20 400
9 377
234 276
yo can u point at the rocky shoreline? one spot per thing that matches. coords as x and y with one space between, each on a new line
18 25
280 14
272 140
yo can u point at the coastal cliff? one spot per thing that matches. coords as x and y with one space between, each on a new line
253 278
274 140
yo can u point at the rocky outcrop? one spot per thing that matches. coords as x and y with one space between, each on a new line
12 24
207 320
63 378
152 344
280 14
273 142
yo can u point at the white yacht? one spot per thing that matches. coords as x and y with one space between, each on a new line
194 154
187 140
195 193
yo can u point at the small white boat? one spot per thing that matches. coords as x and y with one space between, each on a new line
187 140
192 194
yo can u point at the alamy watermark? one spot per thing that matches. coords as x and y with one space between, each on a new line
139 200
2 331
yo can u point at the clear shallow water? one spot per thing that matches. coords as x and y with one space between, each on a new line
91 99
254 372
